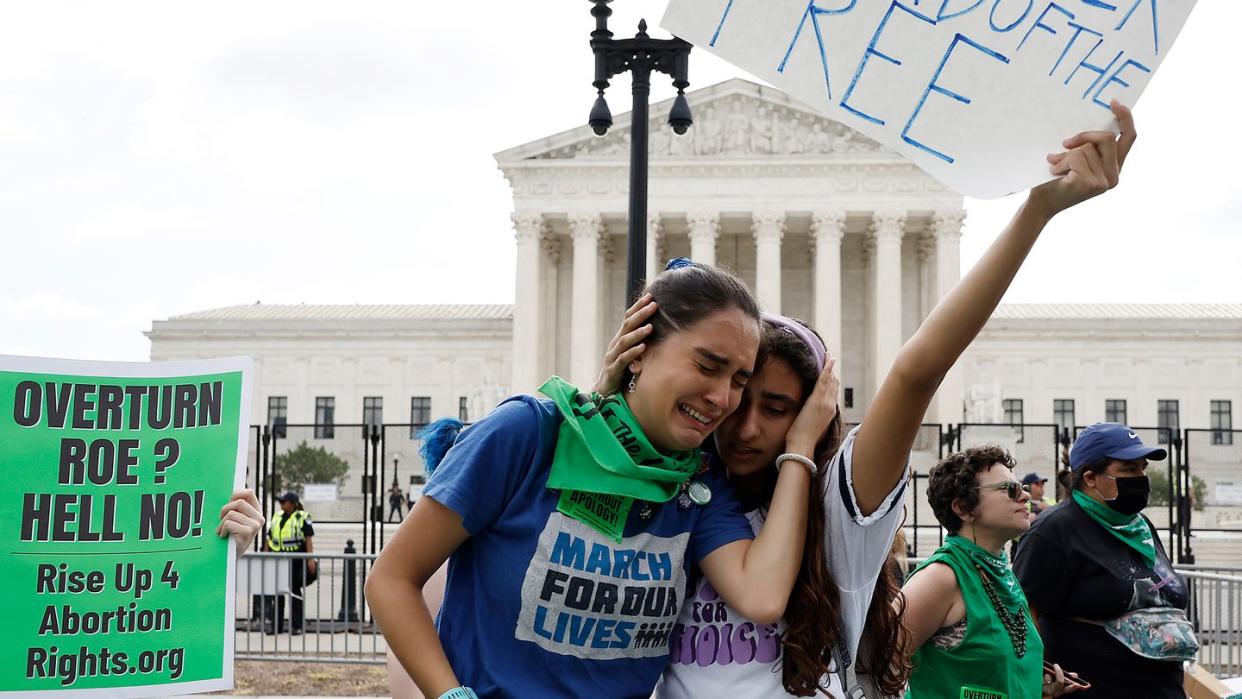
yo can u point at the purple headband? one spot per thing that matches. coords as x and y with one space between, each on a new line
800 331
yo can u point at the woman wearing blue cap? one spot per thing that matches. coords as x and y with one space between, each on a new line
1100 584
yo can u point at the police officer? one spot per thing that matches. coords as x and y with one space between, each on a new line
291 532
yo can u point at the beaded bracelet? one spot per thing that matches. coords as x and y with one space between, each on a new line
459 693
787 456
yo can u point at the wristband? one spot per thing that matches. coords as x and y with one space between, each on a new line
459 693
787 456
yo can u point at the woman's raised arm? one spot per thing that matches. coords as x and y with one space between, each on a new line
1090 166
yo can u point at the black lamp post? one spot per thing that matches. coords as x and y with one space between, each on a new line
639 56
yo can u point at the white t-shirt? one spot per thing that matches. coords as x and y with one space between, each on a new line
716 652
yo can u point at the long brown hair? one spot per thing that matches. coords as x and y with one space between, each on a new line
812 630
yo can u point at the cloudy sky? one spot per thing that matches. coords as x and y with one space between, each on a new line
160 158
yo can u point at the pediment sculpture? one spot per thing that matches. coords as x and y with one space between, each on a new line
732 126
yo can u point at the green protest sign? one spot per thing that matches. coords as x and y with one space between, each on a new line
114 475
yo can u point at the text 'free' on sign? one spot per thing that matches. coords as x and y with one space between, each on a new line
975 92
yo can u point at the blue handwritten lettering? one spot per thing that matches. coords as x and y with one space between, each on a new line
872 51
933 86
1030 4
942 16
1100 71
1155 24
720 26
1117 80
1039 23
813 12
1078 31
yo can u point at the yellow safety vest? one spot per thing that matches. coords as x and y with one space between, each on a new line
288 537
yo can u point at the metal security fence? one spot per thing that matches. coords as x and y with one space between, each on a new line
1196 498
334 625
1216 611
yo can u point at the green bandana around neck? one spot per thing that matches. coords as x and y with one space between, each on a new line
1132 530
995 567
603 461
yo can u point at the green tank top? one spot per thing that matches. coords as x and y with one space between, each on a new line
984 665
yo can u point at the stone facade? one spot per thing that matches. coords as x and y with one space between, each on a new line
824 225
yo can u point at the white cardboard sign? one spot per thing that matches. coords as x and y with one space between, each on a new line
975 92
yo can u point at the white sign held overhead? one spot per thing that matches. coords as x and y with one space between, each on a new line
975 92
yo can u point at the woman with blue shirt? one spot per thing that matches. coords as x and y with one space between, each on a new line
570 524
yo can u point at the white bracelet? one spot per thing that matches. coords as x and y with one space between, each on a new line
787 456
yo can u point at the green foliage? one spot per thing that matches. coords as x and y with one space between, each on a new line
1160 489
306 464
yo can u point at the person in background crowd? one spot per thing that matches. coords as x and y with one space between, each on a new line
395 501
1101 586
971 631
1039 501
291 532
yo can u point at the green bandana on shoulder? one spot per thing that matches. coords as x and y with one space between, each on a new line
1132 530
603 461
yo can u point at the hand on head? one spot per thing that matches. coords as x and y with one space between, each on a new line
1090 166
816 413
626 346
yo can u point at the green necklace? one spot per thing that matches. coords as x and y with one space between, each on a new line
1014 622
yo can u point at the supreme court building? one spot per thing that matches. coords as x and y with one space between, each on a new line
821 222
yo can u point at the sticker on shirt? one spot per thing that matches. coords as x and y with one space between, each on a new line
976 693
587 596
716 635
1162 589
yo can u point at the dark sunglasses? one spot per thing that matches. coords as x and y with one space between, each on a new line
1013 489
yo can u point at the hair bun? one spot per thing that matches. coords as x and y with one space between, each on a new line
679 262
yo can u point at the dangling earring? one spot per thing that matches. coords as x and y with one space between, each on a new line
973 538
633 382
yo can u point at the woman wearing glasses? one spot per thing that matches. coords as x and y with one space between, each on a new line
970 627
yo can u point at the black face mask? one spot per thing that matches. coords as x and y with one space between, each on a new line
1132 493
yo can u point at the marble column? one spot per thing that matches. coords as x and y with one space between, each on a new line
946 227
887 228
654 264
768 227
827 232
584 351
704 229
925 256
527 323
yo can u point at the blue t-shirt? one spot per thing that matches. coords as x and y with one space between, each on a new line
541 605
